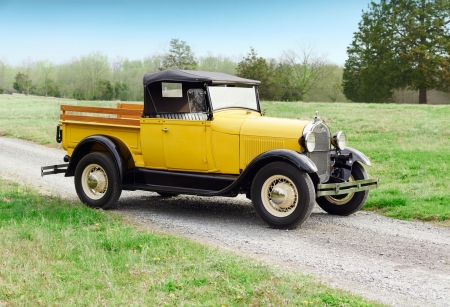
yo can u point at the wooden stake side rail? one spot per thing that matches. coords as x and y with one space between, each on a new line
133 106
127 117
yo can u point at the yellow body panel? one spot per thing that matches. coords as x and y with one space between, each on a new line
74 132
272 127
239 136
152 143
226 152
185 144
227 144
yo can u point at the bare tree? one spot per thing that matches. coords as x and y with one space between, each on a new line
44 71
219 63
28 67
93 68
3 74
302 69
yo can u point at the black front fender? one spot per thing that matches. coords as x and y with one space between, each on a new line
356 156
84 147
343 162
300 161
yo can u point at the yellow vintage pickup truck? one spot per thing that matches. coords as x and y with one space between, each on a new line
202 133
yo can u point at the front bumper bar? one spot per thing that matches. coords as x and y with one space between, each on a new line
346 187
55 169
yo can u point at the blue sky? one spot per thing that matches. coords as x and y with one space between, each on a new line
62 29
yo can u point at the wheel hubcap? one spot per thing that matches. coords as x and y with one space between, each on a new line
94 181
279 195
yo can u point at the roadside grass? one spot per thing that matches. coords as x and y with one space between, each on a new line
408 145
55 253
34 117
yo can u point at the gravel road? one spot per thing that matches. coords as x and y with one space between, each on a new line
395 262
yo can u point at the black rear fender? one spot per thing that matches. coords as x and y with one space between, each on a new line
99 143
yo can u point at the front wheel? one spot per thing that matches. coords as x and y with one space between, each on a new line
346 204
282 195
97 180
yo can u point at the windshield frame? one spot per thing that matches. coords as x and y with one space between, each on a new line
258 107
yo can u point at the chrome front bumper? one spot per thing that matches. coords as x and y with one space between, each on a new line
346 187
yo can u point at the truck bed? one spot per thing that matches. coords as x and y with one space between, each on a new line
123 123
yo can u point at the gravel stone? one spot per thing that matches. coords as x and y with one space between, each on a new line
398 263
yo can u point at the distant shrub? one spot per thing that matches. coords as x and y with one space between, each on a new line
1 90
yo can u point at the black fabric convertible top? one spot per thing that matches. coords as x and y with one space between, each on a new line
195 76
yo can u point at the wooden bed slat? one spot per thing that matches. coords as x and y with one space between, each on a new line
100 110
134 106
102 120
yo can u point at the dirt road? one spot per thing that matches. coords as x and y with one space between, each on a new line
395 262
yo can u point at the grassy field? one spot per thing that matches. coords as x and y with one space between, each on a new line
54 253
409 145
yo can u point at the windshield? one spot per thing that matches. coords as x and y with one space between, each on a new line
233 97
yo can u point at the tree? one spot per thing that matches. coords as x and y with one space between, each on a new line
179 56
22 83
400 44
299 71
257 68
92 69
3 72
44 70
28 66
217 63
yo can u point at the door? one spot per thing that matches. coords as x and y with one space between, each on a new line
185 144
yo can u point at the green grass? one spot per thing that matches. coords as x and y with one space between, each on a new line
35 118
409 145
54 253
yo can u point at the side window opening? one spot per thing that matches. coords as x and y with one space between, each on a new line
172 89
196 100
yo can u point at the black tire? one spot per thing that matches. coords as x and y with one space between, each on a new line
97 181
346 204
167 194
282 195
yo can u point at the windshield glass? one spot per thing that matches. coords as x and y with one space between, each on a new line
233 97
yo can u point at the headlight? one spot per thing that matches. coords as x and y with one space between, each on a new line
308 141
339 140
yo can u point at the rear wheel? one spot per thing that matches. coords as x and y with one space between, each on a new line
97 180
346 204
282 195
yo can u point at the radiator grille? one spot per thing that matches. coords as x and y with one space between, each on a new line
321 154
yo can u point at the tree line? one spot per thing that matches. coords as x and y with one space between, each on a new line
296 75
400 45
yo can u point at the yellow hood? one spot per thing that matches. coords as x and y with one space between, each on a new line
253 124
273 127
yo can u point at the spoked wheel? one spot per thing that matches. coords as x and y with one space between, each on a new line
97 180
282 195
346 204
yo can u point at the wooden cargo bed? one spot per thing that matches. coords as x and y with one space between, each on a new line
124 114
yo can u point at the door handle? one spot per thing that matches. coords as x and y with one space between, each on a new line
165 129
